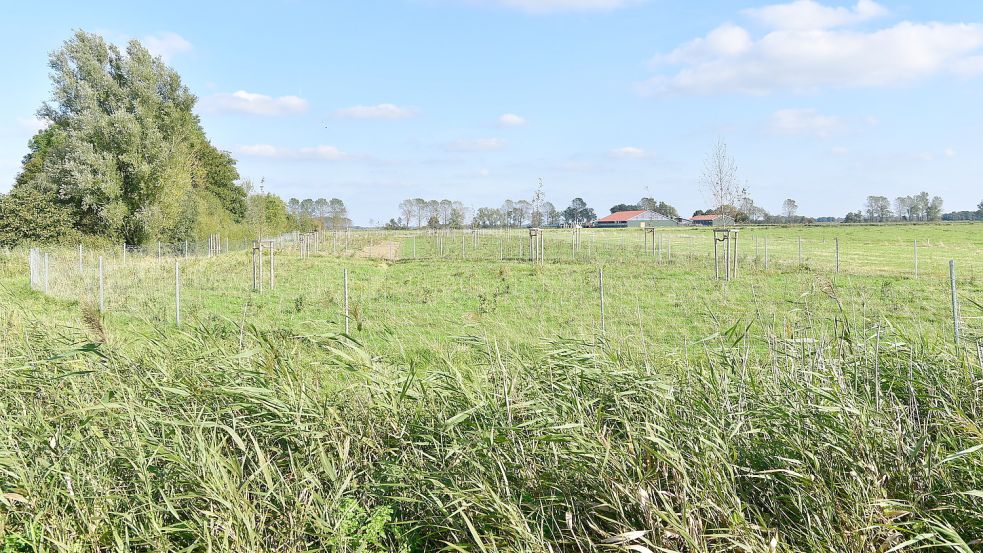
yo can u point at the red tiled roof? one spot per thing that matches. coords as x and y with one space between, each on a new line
705 217
620 216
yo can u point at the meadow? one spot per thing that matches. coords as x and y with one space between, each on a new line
817 401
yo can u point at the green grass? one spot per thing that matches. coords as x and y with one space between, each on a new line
476 405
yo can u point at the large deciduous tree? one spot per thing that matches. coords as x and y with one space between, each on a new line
124 155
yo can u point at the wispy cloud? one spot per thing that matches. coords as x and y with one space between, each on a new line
804 121
808 14
253 104
629 152
166 45
807 49
268 151
476 145
511 120
379 111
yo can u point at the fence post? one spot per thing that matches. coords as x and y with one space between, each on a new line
766 253
346 301
177 292
158 250
955 301
716 262
600 283
916 259
45 272
837 254
272 278
102 288
124 254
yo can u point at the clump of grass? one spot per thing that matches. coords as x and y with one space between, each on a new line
92 320
192 440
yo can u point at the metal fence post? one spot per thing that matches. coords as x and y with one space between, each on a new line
177 292
346 302
955 301
102 288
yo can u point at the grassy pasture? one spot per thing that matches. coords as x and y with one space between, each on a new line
477 405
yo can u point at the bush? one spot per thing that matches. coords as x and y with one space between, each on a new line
30 216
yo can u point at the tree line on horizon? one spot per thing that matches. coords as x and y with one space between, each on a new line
123 157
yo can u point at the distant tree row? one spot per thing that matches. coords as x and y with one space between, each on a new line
537 212
319 214
648 204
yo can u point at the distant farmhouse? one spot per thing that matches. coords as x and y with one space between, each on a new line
713 220
635 219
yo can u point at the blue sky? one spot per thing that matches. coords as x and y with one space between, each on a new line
374 101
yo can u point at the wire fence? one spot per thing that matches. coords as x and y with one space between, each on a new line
446 284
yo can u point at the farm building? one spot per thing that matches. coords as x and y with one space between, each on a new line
713 220
639 218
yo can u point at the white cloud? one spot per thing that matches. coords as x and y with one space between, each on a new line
166 45
839 151
553 6
950 153
629 152
511 120
804 121
320 152
380 111
476 145
254 104
809 14
790 57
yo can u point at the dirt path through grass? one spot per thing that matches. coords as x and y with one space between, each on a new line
382 250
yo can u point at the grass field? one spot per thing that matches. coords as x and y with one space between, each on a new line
478 403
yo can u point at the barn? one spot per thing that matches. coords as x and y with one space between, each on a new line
636 219
713 220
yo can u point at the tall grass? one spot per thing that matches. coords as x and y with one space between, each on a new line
236 437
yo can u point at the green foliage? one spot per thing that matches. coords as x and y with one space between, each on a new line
124 151
15 543
360 530
28 215
578 212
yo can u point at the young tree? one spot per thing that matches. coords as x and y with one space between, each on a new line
536 215
719 178
789 207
